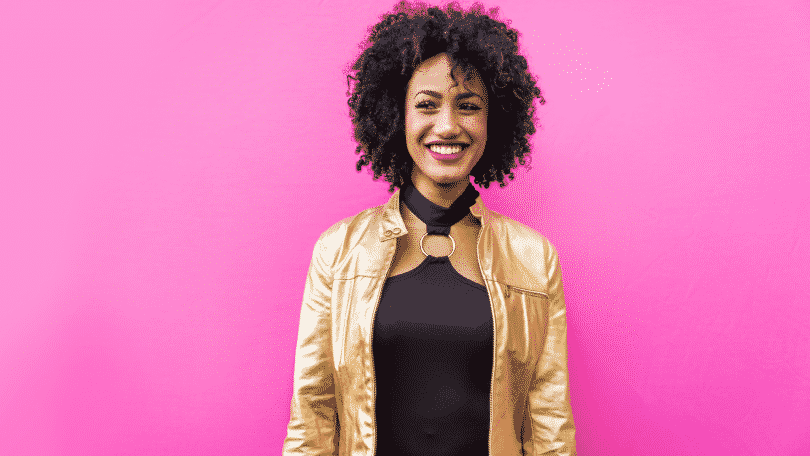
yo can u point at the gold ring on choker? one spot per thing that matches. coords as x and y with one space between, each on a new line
421 246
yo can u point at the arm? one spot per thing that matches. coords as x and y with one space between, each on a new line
313 428
549 397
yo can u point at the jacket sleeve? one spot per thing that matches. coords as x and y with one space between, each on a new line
313 428
551 418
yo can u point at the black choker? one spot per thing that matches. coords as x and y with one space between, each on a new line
438 219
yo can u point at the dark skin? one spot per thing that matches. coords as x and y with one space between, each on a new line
440 109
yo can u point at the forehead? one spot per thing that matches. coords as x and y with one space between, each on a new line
434 74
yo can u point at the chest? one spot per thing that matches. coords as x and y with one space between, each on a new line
464 258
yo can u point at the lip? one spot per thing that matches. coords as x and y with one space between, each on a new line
447 143
447 157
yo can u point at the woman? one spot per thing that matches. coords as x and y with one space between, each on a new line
431 325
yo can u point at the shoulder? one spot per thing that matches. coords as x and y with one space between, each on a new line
344 235
526 257
521 238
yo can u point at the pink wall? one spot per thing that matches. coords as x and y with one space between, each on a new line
167 167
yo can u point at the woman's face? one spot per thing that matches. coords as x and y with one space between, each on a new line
445 125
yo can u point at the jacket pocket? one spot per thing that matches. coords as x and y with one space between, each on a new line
525 318
511 288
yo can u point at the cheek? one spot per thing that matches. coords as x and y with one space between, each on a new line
413 128
478 127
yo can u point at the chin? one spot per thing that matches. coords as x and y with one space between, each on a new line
447 180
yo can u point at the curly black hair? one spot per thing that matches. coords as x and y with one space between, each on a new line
413 33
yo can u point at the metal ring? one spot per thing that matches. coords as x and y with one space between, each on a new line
421 246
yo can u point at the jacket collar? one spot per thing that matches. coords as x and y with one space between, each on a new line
392 225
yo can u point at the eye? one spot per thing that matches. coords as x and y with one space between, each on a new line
469 107
425 104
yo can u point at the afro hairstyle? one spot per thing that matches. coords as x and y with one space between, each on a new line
413 33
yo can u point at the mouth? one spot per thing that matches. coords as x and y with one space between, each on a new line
447 151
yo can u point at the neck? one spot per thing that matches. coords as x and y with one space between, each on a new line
442 194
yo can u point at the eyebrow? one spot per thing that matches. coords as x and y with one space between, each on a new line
460 96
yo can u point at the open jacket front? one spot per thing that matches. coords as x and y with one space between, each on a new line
332 409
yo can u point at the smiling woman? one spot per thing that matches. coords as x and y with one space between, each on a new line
431 325
445 125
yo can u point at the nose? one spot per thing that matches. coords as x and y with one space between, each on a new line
447 125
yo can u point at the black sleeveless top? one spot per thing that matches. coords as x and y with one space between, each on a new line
432 347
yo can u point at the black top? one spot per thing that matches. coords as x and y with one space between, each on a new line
432 346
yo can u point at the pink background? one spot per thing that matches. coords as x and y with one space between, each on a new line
168 165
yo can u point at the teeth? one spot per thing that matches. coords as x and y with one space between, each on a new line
445 150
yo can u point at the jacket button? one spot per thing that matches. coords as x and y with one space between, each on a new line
397 230
387 232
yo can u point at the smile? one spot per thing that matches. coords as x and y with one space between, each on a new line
447 153
449 149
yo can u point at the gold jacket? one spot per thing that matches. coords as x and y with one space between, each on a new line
332 409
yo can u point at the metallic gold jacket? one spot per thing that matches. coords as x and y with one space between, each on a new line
332 410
